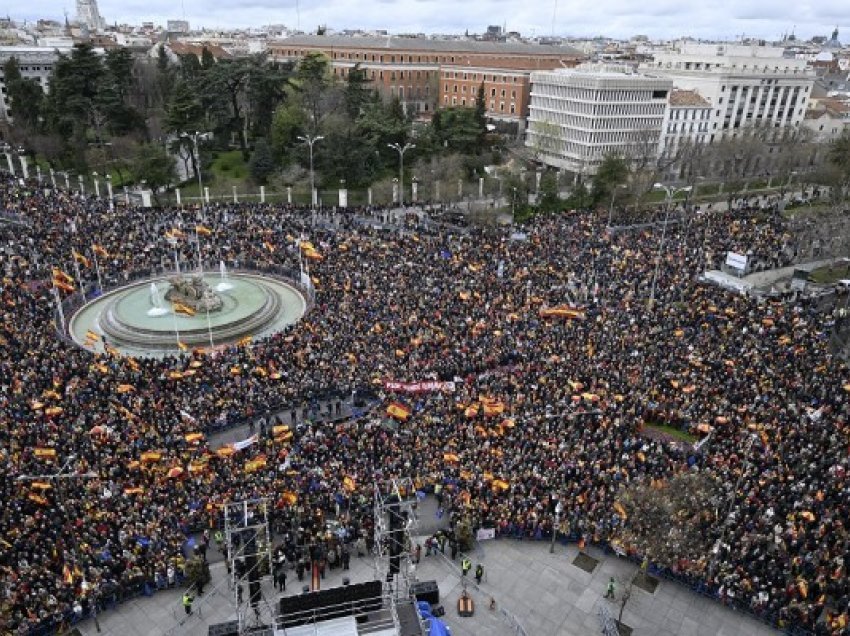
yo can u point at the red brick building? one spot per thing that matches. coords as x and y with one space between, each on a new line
426 74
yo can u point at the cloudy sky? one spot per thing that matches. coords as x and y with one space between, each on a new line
726 19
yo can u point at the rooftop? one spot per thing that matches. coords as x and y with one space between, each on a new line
391 43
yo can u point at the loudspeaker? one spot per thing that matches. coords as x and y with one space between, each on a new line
426 591
230 628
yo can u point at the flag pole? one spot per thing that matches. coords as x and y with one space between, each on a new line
97 271
176 330
79 279
201 271
59 308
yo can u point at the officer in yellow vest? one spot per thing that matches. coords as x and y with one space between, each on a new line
465 566
187 602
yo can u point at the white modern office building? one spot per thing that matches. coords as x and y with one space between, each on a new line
687 122
578 116
744 85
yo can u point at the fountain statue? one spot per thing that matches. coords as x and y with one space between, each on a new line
156 303
193 292
223 285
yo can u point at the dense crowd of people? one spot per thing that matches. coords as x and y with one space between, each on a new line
546 407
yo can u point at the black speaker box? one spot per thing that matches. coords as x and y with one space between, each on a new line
426 591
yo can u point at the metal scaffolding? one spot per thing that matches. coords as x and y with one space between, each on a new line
249 554
395 522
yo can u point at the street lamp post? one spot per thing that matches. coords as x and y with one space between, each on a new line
558 510
195 138
96 185
82 184
611 207
109 191
310 140
670 193
401 150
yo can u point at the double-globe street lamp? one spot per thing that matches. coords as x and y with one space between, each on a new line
670 193
196 137
401 150
310 140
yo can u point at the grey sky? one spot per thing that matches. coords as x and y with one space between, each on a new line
617 18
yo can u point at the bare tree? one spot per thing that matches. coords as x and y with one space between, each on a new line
668 521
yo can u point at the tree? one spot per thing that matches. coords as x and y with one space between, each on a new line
550 200
155 166
672 520
612 172
839 158
25 97
357 91
262 163
207 59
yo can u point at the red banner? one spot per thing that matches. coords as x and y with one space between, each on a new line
419 387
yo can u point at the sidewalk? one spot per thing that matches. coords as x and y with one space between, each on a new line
545 593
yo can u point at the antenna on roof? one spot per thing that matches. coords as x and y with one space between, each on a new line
554 12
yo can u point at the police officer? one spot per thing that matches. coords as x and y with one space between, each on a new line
187 602
465 566
479 573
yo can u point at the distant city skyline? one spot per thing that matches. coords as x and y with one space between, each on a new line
658 19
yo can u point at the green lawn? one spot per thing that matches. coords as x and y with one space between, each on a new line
828 275
229 166
674 433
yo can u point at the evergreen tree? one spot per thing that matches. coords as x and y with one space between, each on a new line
262 163
25 97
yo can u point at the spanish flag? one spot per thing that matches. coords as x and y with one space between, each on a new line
311 253
135 490
244 342
288 498
255 464
41 501
92 335
41 485
180 308
124 388
500 484
97 249
82 260
63 281
618 508
174 233
202 229
451 458
45 452
150 457
182 346
398 411
193 438
269 246
67 576
492 407
348 483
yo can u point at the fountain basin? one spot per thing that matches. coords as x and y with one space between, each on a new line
254 305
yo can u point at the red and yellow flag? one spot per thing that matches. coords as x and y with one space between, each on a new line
97 249
202 229
47 453
180 308
398 411
82 260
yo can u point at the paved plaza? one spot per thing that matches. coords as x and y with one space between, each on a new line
544 593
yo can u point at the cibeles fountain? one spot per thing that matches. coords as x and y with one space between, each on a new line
168 314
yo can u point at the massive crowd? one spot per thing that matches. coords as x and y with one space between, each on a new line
543 408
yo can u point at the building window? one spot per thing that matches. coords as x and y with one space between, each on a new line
492 92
